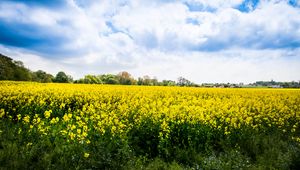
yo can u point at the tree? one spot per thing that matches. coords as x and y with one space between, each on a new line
6 68
109 79
184 82
61 77
154 81
42 76
13 70
146 80
91 79
168 83
21 73
125 78
140 81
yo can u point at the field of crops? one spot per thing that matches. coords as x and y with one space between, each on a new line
122 127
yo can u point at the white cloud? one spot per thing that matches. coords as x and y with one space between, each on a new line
156 38
238 65
215 3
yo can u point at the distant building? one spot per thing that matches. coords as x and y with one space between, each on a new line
275 86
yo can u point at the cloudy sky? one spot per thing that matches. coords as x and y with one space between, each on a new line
201 40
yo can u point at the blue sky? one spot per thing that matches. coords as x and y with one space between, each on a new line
202 40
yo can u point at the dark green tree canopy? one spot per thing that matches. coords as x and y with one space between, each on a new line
42 76
13 70
109 79
62 77
89 79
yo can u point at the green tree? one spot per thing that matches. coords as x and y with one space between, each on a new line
6 68
21 73
13 70
140 81
91 79
168 83
109 79
61 77
42 76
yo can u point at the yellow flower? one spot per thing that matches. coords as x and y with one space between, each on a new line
26 119
47 114
70 116
53 121
66 118
2 112
62 105
118 109
72 135
86 155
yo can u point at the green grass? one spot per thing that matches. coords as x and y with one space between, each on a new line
251 150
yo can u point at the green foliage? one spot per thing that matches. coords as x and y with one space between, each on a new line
6 68
19 150
159 164
273 83
109 79
101 79
42 76
149 143
32 151
168 83
144 139
147 81
89 79
61 77
13 70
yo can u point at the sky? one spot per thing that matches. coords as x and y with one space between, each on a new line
205 41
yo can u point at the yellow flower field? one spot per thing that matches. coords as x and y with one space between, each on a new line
168 116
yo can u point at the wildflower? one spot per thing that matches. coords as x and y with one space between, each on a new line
47 114
72 135
2 113
86 155
66 118
26 119
53 121
19 116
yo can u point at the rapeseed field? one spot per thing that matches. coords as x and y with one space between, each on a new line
144 127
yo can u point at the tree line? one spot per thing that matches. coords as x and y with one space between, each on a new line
272 83
15 70
125 78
